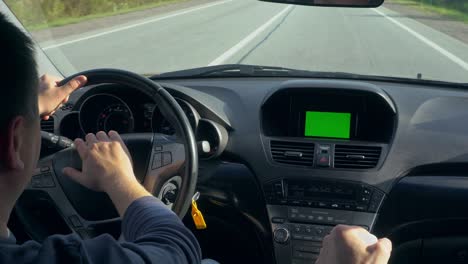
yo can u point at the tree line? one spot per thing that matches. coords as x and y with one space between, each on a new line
33 12
461 5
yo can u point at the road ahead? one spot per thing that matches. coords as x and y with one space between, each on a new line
366 41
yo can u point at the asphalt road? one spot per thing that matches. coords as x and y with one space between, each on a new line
365 41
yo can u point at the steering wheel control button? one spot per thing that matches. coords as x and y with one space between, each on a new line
75 221
36 181
158 148
47 180
166 158
281 235
43 181
157 161
161 159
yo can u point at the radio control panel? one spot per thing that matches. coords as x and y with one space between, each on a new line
324 194
303 213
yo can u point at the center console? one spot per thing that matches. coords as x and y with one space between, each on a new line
302 213
337 133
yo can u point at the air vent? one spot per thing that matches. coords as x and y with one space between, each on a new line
48 125
357 157
293 153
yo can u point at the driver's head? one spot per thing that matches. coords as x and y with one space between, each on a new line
19 118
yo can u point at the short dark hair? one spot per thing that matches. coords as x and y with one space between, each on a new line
18 74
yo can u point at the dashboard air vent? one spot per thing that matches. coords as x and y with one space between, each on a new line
357 157
48 125
293 153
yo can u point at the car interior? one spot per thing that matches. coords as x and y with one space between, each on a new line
278 160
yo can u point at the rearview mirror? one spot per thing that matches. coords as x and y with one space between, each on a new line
335 3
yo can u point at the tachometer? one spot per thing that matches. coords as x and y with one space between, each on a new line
116 117
162 125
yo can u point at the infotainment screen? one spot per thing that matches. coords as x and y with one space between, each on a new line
327 124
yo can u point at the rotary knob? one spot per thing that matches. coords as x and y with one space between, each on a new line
281 235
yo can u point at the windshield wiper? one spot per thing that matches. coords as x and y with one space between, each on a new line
234 70
243 70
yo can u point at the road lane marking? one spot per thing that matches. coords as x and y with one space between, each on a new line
229 53
428 42
136 25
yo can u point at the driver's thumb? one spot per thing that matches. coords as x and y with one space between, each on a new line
74 174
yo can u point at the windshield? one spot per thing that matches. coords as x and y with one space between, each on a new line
417 39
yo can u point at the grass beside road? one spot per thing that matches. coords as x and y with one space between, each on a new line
445 11
63 19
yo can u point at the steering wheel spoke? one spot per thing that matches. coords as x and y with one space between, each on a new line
45 180
167 160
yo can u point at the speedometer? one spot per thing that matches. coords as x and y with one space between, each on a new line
105 112
116 117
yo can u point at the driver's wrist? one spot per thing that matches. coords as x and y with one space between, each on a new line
125 193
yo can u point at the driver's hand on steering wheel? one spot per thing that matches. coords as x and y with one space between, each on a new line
354 245
107 167
51 96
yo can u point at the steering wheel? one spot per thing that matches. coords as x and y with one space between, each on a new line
167 166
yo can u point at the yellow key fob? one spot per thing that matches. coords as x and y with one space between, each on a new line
197 214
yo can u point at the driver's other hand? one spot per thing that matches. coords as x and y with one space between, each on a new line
106 163
354 245
51 96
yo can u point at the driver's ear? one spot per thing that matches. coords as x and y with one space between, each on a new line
10 145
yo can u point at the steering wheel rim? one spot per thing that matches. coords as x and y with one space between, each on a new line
167 104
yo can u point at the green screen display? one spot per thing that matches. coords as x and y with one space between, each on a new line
327 124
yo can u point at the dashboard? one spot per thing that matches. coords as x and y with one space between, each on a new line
320 152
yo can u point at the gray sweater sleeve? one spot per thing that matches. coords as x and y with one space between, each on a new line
153 233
